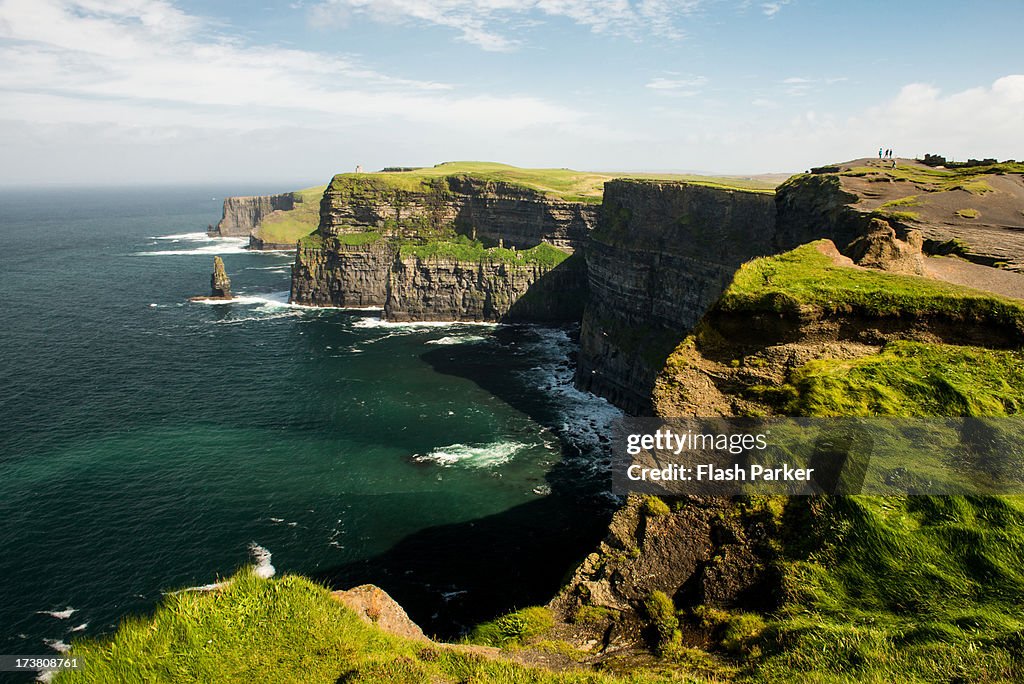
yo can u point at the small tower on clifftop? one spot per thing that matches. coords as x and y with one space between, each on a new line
220 284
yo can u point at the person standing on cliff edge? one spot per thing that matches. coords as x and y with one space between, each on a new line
879 152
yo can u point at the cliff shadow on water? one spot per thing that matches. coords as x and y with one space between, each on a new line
451 577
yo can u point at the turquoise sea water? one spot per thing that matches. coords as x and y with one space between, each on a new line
147 441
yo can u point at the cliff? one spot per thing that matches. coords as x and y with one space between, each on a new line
441 244
659 258
333 272
243 215
495 212
489 289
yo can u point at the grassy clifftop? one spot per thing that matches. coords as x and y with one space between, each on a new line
807 277
563 184
285 630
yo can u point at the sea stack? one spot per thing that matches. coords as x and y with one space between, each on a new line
220 284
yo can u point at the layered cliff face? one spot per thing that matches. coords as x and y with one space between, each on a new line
329 272
660 257
243 215
442 289
492 211
445 248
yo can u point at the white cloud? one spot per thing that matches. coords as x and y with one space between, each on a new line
979 122
144 62
478 22
770 9
679 87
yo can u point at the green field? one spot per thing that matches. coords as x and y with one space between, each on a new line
564 184
287 227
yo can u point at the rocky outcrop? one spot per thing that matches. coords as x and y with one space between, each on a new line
242 215
437 289
220 284
375 606
328 272
660 257
880 248
701 551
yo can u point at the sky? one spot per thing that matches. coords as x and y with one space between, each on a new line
109 92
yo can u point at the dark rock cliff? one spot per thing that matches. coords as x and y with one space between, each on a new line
435 289
328 272
660 257
242 215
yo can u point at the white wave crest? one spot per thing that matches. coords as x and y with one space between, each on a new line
460 339
261 557
59 614
57 645
472 456
201 243
377 322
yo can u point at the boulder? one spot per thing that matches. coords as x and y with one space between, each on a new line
374 605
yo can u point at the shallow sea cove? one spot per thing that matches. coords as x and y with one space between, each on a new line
147 441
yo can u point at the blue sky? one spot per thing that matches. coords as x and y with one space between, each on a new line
127 91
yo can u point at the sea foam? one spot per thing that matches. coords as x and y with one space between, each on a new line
472 455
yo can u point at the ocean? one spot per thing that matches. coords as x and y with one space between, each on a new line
147 442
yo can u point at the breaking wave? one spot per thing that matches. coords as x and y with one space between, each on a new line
472 456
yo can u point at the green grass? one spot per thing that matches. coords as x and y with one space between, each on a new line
968 213
911 379
564 184
288 227
515 628
318 241
286 630
887 589
908 201
907 589
900 215
975 187
464 249
358 239
805 277
662 614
